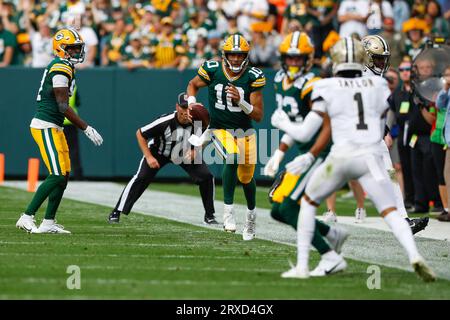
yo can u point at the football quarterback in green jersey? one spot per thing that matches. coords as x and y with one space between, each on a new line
234 99
46 127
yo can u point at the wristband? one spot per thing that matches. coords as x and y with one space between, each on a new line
191 100
245 106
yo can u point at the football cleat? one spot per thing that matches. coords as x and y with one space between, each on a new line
418 224
340 235
50 226
210 219
329 264
360 215
330 217
26 223
296 272
229 224
114 217
423 270
250 225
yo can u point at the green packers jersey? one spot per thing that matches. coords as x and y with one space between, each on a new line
223 112
295 99
47 106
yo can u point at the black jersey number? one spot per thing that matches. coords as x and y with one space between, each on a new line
361 125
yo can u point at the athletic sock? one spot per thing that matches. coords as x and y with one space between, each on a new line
305 233
54 199
229 178
403 233
42 193
399 200
250 194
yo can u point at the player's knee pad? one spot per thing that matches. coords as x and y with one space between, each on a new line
245 173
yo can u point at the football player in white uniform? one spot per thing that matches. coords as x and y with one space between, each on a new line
357 127
377 63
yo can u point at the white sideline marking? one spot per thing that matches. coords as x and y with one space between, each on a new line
368 242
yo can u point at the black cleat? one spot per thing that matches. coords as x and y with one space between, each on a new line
114 217
418 224
210 220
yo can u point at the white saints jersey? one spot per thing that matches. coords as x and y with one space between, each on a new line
368 72
355 107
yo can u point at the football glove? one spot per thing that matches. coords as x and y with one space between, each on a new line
93 135
300 164
197 141
278 118
272 166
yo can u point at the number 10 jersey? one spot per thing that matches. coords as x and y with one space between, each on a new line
223 112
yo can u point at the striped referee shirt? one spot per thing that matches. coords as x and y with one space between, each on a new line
166 133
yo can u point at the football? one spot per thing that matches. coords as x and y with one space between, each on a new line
199 113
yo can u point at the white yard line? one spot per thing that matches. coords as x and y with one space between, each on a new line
369 242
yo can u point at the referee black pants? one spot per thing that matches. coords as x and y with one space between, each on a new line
199 173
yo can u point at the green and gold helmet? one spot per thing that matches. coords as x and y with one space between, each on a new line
348 55
296 44
378 54
236 44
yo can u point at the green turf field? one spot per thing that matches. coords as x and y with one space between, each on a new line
152 258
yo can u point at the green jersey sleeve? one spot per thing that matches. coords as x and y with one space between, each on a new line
257 79
207 71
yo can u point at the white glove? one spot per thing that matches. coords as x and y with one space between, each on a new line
272 166
93 135
197 141
300 164
278 118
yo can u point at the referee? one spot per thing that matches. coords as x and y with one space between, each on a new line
161 142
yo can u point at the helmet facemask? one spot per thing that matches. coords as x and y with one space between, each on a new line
378 63
242 65
78 52
295 70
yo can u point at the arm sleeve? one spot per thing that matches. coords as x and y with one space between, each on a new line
258 79
60 81
303 132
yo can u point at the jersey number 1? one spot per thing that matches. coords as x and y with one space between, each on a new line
361 125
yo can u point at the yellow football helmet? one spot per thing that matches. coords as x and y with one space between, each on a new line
235 44
68 44
300 45
348 55
378 54
414 24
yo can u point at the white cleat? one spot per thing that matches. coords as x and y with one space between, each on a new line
340 235
26 223
296 272
229 223
50 226
423 270
330 217
360 215
250 226
329 264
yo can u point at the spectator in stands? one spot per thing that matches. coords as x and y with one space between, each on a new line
443 104
8 45
400 103
136 55
379 10
324 12
415 30
264 47
166 8
114 45
436 22
249 12
199 53
396 41
300 11
168 47
214 42
352 15
195 27
91 42
146 26
401 13
7 17
41 41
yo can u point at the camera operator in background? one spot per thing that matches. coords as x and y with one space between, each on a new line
443 105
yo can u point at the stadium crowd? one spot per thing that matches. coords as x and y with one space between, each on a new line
184 33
